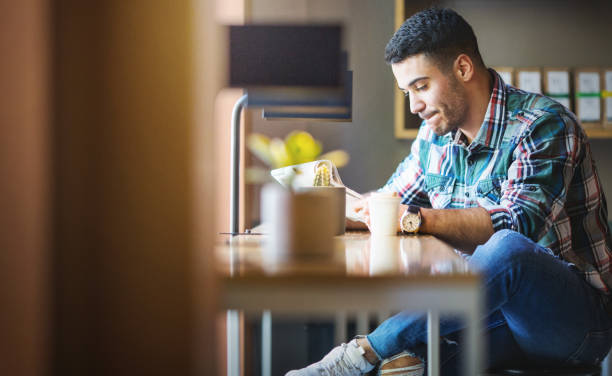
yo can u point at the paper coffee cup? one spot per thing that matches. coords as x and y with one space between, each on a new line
384 210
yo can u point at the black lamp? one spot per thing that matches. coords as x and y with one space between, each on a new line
291 72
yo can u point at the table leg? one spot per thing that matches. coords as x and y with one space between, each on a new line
605 365
233 343
266 343
474 346
340 328
363 323
382 316
433 343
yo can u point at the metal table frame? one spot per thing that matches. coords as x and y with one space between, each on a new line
330 295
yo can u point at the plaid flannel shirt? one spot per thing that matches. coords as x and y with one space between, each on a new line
530 167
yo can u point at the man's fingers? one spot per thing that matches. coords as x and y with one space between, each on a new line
361 208
360 205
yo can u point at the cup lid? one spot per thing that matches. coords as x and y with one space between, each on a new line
385 195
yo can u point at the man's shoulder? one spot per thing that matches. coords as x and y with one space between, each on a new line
533 105
527 111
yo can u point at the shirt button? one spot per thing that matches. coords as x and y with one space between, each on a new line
467 194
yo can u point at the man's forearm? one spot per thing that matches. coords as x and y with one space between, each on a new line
464 229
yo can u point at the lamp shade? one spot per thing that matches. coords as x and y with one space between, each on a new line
285 55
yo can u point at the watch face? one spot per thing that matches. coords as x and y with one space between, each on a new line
411 222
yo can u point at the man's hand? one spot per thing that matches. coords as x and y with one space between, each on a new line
361 209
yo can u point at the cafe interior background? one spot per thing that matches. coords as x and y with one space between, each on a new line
115 163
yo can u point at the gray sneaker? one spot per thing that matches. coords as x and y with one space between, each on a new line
344 360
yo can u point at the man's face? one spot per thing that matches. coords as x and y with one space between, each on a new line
437 97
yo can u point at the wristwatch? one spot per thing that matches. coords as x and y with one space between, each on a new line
411 220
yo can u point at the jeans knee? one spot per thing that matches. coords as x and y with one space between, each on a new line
503 236
504 247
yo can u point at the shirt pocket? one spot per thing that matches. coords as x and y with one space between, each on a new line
488 191
439 189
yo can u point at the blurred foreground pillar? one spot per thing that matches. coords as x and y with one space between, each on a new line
25 120
130 291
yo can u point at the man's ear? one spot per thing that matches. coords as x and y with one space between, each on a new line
463 68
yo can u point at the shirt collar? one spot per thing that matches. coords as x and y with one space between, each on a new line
492 129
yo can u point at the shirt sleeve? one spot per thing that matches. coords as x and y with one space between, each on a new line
408 180
543 166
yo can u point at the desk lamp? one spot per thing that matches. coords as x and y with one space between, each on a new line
291 72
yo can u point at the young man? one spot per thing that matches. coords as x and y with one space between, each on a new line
508 177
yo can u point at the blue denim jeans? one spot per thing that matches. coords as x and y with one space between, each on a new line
539 311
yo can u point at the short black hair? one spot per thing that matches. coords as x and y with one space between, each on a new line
439 33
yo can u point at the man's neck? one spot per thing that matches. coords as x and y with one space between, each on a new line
480 95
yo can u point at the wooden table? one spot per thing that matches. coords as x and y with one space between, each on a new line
363 274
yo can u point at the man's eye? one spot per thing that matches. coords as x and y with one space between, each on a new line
422 87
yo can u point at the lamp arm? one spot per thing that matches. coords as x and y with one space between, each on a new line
235 164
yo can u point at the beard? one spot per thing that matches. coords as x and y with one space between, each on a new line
453 108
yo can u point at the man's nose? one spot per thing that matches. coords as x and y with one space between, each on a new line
416 105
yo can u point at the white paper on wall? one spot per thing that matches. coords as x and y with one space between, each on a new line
564 101
588 82
506 76
590 109
608 79
530 81
558 82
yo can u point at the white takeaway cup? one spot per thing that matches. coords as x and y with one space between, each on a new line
384 211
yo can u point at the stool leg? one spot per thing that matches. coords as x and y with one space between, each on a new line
606 367
266 343
233 343
363 323
433 343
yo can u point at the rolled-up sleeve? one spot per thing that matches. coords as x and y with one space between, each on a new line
544 162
